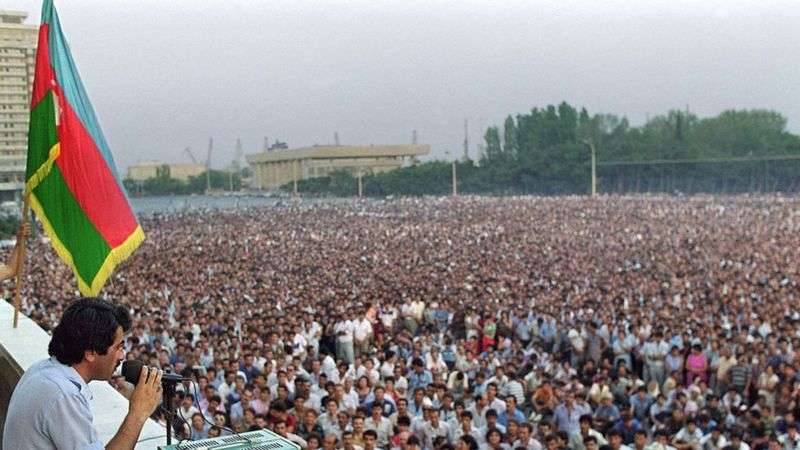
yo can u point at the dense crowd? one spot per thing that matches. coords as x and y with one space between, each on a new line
516 323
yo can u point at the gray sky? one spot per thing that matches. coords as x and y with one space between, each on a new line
166 74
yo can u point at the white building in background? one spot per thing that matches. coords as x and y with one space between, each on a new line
272 169
17 65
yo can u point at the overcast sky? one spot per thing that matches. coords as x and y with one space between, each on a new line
167 74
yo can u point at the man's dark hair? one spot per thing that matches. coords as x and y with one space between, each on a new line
472 444
371 433
88 324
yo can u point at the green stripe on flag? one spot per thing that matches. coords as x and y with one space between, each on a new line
42 135
77 234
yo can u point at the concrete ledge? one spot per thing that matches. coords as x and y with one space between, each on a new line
22 347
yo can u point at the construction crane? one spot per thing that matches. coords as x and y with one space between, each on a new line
188 151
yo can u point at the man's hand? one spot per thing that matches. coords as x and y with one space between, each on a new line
14 265
147 394
144 400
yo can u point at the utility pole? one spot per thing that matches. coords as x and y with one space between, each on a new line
336 138
455 179
590 146
414 137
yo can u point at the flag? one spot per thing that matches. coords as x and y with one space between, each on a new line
71 181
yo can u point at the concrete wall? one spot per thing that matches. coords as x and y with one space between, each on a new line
10 373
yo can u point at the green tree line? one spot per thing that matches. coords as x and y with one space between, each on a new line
163 184
546 151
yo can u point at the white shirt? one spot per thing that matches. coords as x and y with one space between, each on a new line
655 352
430 433
532 444
312 332
388 317
363 329
382 427
387 369
299 343
345 327
371 374
329 368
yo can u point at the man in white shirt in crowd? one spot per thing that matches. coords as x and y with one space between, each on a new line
432 428
465 426
381 425
362 334
344 329
525 438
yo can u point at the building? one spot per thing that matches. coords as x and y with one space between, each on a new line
184 171
144 171
17 65
152 169
272 169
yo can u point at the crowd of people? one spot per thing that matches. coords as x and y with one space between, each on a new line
494 323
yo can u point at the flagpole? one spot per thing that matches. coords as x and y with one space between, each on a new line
20 263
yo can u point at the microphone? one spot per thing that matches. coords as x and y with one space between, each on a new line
131 370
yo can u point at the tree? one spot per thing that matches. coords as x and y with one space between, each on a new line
510 137
492 138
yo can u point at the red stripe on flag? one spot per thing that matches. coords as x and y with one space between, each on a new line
45 77
91 182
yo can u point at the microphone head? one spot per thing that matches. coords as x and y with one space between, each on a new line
131 370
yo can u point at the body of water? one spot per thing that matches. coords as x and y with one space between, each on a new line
186 203
167 204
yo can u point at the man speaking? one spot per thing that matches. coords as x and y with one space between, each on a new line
49 408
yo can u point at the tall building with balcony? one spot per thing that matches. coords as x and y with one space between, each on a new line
17 64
